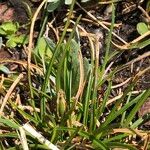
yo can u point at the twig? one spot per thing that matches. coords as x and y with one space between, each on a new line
101 24
145 13
104 22
114 99
54 30
121 84
146 142
119 96
147 54
30 108
140 37
31 42
7 96
107 69
109 2
140 73
23 63
128 131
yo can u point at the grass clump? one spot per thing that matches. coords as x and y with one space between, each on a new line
67 106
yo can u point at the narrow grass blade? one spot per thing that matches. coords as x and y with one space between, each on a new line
137 107
24 114
45 84
87 100
106 95
115 114
9 123
121 145
116 138
106 57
